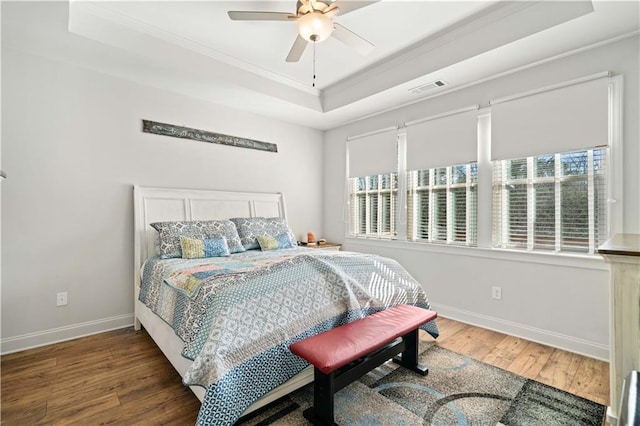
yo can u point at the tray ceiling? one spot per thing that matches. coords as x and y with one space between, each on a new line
194 48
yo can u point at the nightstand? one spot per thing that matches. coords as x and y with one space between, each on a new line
325 246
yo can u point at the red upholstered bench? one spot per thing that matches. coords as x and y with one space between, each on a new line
348 352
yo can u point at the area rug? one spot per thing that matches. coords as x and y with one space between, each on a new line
457 391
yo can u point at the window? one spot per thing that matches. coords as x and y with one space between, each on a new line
373 205
554 202
372 165
442 204
550 190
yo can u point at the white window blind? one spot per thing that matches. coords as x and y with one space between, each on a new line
555 202
564 119
442 204
373 206
443 140
373 154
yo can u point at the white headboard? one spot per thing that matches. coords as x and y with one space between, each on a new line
165 204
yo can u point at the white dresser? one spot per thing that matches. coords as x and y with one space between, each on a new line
622 252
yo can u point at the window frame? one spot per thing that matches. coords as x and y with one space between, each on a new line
503 183
369 193
414 217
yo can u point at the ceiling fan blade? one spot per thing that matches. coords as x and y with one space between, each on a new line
330 11
351 39
305 7
297 49
241 15
346 6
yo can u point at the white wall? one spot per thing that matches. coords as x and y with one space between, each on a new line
73 147
544 300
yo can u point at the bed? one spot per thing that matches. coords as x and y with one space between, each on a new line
225 323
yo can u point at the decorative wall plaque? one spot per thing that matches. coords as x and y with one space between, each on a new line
204 136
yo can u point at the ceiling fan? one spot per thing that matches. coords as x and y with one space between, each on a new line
315 23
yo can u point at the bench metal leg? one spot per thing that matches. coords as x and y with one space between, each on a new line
324 387
409 357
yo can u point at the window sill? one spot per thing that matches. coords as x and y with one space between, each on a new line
584 261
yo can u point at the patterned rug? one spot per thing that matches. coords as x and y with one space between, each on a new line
457 391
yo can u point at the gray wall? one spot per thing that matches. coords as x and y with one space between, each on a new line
558 301
73 147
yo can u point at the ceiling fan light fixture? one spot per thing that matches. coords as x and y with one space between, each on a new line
315 26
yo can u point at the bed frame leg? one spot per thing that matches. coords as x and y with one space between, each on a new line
137 325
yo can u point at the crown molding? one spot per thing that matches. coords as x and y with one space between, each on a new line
101 12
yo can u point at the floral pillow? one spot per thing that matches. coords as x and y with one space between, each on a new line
210 247
170 233
249 228
286 240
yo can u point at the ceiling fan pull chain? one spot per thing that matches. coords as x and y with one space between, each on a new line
314 63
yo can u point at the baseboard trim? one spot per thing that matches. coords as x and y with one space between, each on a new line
545 337
61 334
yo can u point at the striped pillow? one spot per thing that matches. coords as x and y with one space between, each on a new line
280 241
211 247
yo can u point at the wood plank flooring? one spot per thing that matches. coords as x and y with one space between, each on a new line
121 377
580 375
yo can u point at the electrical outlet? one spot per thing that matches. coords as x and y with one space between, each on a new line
61 299
496 293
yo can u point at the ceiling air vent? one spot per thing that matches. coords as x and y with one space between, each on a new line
428 87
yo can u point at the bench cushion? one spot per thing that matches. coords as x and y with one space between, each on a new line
338 347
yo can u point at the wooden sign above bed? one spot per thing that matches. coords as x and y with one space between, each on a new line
205 136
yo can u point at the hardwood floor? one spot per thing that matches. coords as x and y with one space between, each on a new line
121 377
577 374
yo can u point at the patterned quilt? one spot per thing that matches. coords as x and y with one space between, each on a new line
237 327
190 279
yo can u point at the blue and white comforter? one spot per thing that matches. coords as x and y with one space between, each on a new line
237 328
